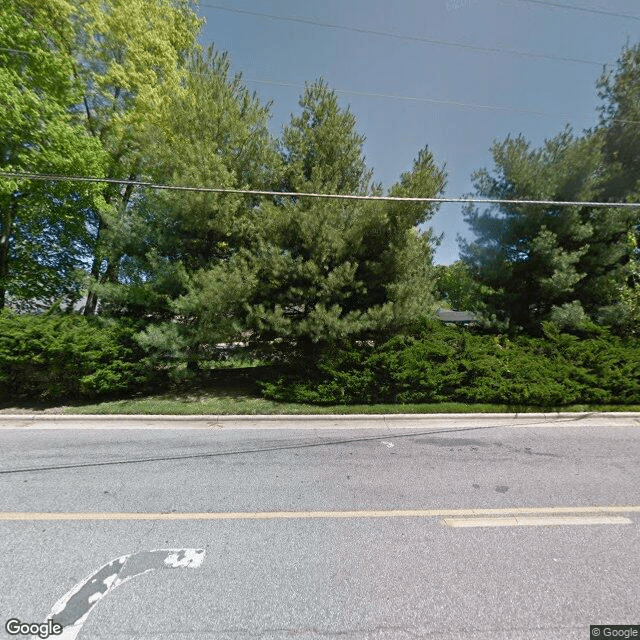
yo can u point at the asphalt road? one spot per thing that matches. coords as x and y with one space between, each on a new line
319 532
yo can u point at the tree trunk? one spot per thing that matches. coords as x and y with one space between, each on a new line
8 217
92 297
111 272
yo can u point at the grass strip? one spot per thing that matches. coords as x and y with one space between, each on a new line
220 404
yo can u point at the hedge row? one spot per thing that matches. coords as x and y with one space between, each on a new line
63 356
60 356
447 364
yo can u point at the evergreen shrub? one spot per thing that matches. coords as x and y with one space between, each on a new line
449 364
59 356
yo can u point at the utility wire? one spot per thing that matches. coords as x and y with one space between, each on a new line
399 36
454 103
394 96
297 194
573 7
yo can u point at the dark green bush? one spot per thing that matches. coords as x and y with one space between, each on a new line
447 364
66 356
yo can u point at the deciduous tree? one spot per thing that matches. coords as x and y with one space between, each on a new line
130 60
43 238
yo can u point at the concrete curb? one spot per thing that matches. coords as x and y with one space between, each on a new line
324 416
331 421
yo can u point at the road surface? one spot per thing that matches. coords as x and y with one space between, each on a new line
469 529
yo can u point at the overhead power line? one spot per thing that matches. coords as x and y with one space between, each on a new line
394 96
573 7
297 194
454 103
408 38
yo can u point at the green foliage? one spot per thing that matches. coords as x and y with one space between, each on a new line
619 90
184 268
294 274
534 259
214 132
64 356
80 85
130 61
333 270
457 289
566 264
43 235
444 364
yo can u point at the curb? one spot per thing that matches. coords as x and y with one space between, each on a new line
563 415
325 421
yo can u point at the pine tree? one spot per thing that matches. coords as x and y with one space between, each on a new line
619 90
529 255
567 264
331 270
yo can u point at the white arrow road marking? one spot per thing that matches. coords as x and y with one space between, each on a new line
74 607
387 443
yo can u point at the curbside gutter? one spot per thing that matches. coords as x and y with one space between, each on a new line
325 421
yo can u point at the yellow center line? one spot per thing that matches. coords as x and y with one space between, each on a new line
273 515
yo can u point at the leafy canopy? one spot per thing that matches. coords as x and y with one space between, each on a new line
42 231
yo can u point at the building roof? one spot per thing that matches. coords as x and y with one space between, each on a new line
457 317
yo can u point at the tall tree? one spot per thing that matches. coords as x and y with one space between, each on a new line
566 263
130 59
619 90
42 225
324 270
544 261
214 132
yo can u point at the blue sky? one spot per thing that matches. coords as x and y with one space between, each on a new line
278 51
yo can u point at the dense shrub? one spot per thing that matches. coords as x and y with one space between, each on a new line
447 364
66 356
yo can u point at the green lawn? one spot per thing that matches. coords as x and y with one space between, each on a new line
240 400
237 393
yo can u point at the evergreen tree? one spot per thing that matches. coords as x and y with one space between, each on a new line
619 90
181 243
568 264
534 258
214 132
328 270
